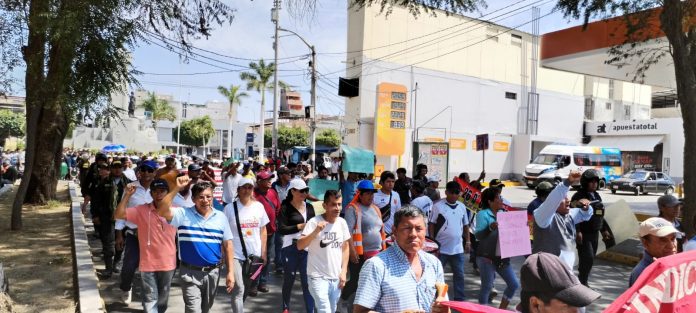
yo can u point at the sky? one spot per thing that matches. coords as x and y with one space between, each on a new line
250 37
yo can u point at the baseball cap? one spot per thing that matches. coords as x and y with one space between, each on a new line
100 157
453 186
545 273
544 186
159 184
116 164
667 201
298 184
496 183
148 164
245 181
194 167
264 175
170 157
102 166
433 179
656 226
366 185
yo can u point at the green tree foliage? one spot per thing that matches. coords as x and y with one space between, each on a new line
234 96
160 109
11 124
675 19
195 132
288 137
328 138
76 54
259 78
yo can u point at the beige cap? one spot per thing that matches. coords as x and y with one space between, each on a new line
656 226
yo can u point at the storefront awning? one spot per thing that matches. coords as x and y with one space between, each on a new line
627 143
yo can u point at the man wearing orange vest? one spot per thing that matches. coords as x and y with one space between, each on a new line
364 220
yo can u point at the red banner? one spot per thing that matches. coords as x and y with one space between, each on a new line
667 285
468 307
471 197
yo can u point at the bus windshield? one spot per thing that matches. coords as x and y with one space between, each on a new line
546 159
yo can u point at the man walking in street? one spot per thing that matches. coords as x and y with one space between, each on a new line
554 222
157 252
326 237
281 187
230 183
102 209
659 239
269 198
387 200
403 186
204 239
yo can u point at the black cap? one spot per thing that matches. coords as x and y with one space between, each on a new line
116 164
100 157
193 167
102 166
545 273
496 183
159 184
283 170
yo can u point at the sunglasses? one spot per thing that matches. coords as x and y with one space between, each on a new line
149 170
306 190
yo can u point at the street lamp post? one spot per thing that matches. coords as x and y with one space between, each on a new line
313 121
275 14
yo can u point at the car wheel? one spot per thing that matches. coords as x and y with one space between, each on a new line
669 191
613 191
602 184
636 191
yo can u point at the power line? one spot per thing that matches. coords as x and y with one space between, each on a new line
448 36
426 35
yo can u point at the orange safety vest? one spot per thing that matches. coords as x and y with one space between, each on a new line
357 229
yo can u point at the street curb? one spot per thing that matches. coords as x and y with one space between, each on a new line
84 272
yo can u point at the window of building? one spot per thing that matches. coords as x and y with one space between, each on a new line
516 40
492 34
665 99
608 105
627 112
611 89
589 108
511 95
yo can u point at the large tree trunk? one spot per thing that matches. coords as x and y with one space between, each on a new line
685 70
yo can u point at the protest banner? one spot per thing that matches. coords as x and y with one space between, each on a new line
667 285
317 187
513 234
469 307
357 160
471 197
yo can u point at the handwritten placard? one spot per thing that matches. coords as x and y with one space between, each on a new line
357 160
513 234
318 187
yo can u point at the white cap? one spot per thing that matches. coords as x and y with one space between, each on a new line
656 226
433 179
298 184
245 181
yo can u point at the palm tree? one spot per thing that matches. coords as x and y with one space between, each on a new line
234 96
258 80
160 109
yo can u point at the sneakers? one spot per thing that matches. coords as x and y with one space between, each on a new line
492 295
262 288
126 296
252 293
286 311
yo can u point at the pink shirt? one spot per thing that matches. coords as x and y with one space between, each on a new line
155 238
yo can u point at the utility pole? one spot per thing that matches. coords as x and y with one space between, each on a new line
275 14
313 123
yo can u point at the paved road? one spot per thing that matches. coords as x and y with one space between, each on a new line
520 196
610 279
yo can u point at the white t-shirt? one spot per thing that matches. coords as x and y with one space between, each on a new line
424 203
381 199
325 251
229 187
451 222
183 202
252 218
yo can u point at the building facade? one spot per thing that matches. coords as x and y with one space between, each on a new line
450 77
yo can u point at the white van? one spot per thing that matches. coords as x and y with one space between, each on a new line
558 160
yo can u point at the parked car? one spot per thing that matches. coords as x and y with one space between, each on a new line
643 182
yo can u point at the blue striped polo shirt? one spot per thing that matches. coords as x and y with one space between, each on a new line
200 238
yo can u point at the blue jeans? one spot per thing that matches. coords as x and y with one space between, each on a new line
325 293
295 260
156 287
456 262
488 270
263 278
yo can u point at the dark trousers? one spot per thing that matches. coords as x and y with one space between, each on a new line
269 249
296 260
352 283
586 254
278 250
106 234
131 258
